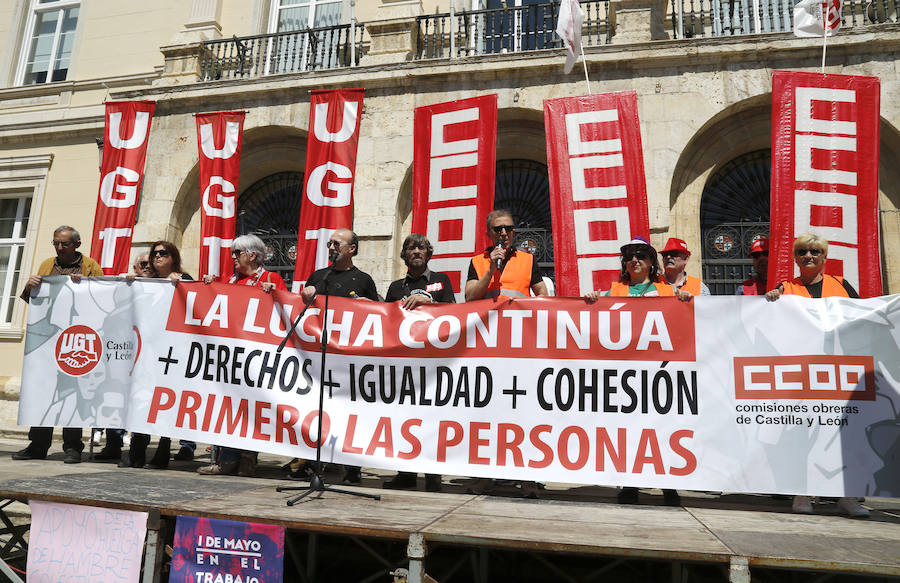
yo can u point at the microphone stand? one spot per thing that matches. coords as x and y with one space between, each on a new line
316 481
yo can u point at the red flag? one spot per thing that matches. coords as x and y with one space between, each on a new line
453 180
219 141
598 193
330 168
126 135
825 138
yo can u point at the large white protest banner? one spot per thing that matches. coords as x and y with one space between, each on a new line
797 396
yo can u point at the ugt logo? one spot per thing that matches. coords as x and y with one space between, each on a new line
78 350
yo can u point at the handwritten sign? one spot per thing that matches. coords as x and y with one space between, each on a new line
78 544
208 550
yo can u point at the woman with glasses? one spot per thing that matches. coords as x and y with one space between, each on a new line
249 254
641 276
810 254
165 262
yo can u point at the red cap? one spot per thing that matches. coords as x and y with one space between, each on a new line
759 244
674 244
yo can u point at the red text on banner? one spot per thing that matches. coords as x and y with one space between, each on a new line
598 194
453 180
330 169
219 140
825 142
126 134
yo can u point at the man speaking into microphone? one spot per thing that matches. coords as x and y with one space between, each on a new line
502 269
342 278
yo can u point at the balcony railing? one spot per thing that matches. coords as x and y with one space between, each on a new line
285 52
505 30
700 18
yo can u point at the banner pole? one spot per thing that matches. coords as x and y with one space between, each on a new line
584 62
824 34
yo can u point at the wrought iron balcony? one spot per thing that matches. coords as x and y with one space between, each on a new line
699 18
505 30
311 49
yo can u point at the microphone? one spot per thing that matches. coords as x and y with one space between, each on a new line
499 261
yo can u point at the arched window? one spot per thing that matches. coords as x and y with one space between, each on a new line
734 210
270 209
522 187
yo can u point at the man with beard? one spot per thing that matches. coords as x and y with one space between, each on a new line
68 261
419 286
345 280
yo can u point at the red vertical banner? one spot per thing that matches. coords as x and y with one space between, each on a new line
825 143
598 193
454 165
330 169
219 138
125 138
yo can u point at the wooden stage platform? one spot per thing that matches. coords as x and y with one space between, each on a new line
572 533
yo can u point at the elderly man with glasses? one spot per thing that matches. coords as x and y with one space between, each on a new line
345 280
68 261
503 270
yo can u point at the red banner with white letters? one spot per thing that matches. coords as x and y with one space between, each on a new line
453 181
598 194
219 138
125 138
330 169
825 140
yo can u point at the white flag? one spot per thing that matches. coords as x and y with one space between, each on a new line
568 27
814 17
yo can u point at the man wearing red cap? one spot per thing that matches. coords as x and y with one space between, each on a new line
675 256
759 253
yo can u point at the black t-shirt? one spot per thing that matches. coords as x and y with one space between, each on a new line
350 283
815 289
431 284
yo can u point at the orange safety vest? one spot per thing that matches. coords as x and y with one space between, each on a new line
692 284
832 287
620 289
515 277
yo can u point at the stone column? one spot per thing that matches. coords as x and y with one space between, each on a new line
638 21
203 22
394 34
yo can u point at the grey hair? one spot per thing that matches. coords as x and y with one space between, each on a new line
76 236
251 244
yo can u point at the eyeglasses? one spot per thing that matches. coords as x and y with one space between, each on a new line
62 243
144 264
803 252
639 255
333 244
237 252
500 228
159 253
679 254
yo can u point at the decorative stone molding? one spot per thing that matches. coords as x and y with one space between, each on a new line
637 21
394 34
182 64
203 22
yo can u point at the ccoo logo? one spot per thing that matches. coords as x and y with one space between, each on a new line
78 350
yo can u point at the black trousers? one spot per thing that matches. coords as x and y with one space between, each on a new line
42 436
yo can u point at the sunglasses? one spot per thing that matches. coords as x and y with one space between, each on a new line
759 254
639 255
62 243
236 252
500 228
803 252
144 264
159 253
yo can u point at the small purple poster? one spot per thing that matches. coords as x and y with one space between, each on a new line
208 550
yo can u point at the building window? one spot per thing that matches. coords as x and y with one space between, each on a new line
14 212
291 15
47 47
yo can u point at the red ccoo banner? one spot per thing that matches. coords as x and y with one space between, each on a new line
598 194
453 180
330 169
219 140
825 138
125 140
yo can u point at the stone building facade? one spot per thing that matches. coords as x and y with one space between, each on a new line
704 106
